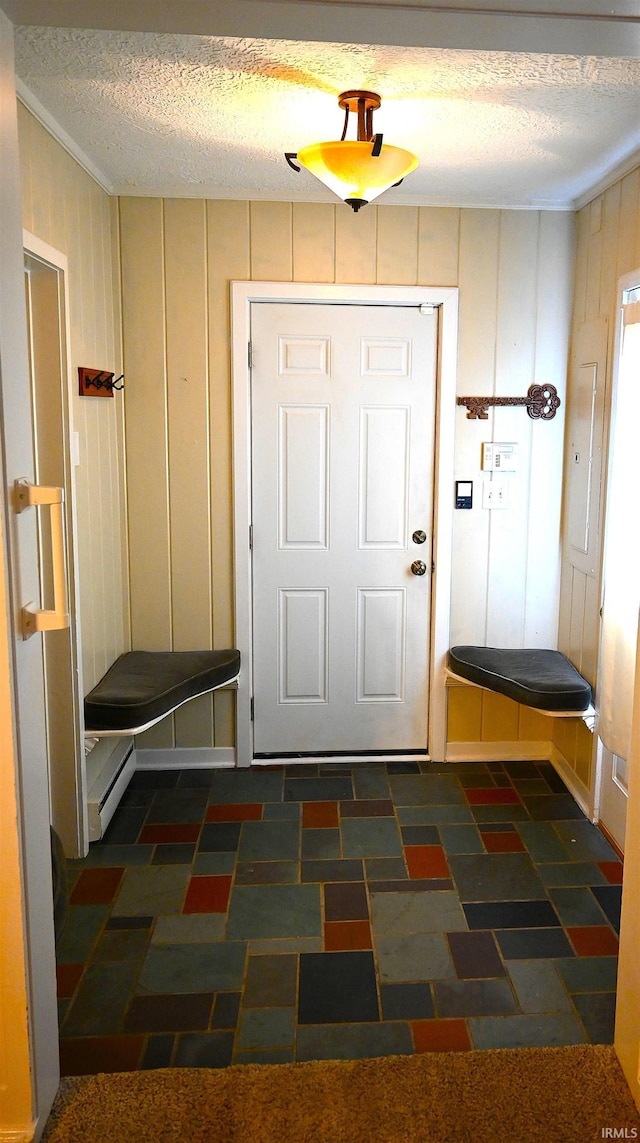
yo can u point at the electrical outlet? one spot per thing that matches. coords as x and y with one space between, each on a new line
495 494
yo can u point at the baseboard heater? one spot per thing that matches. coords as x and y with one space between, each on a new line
109 770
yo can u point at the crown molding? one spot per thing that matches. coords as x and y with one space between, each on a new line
26 96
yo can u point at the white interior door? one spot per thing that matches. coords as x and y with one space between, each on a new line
342 421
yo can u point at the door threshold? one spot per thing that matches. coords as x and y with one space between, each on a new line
337 758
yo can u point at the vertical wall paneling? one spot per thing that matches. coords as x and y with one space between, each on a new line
552 321
228 259
356 241
438 245
628 244
515 343
609 260
397 246
313 241
594 259
271 241
185 248
479 248
64 207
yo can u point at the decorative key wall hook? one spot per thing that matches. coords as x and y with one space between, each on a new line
98 382
541 401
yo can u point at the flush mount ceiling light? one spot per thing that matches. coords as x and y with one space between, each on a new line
357 171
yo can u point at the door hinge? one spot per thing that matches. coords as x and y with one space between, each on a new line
252 709
250 537
249 354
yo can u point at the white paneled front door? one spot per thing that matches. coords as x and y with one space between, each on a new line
342 422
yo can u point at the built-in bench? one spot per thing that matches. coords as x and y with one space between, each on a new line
143 687
539 678
140 689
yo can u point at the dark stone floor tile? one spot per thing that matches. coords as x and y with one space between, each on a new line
522 769
125 826
267 872
597 1012
119 946
412 885
219 837
88 1055
271 981
584 841
158 1052
346 901
403 767
552 778
269 841
571 873
496 877
474 998
353 1041
226 1010
195 779
337 988
370 837
385 868
169 1013
609 898
320 844
406 1002
371 782
173 854
367 808
84 923
496 827
527 1031
331 789
256 785
426 790
486 814
475 955
129 922
527 944
576 905
589 973
542 841
100 1001
461 839
510 914
262 911
554 807
204 1050
420 835
177 806
133 797
155 779
347 869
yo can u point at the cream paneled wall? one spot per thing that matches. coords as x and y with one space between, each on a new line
178 257
607 246
64 207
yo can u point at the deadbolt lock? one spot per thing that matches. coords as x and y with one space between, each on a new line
419 536
418 567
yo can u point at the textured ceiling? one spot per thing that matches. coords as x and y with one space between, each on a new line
198 115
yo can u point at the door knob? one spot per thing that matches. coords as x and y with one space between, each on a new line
419 536
418 567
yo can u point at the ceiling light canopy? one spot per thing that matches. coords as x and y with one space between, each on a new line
356 170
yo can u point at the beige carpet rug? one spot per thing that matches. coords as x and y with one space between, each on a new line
532 1095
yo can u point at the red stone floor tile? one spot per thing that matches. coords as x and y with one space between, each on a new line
208 895
440 1036
341 936
67 977
612 870
492 797
502 842
244 812
426 861
89 1055
593 940
96 886
169 834
319 815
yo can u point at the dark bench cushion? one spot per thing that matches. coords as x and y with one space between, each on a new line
143 686
539 678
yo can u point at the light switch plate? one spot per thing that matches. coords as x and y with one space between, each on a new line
495 494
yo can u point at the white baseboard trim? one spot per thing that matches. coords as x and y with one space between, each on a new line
499 751
582 795
187 758
346 760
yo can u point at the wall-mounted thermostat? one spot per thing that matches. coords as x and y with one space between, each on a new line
499 457
464 493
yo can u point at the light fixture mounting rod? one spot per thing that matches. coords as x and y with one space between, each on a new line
364 103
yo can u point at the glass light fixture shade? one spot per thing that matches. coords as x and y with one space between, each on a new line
350 170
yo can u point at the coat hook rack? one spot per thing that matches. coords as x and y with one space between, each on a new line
541 401
98 382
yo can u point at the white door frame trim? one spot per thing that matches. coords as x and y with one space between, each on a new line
446 299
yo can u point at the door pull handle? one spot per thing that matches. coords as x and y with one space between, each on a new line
40 619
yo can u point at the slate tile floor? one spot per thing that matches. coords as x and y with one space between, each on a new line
300 913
